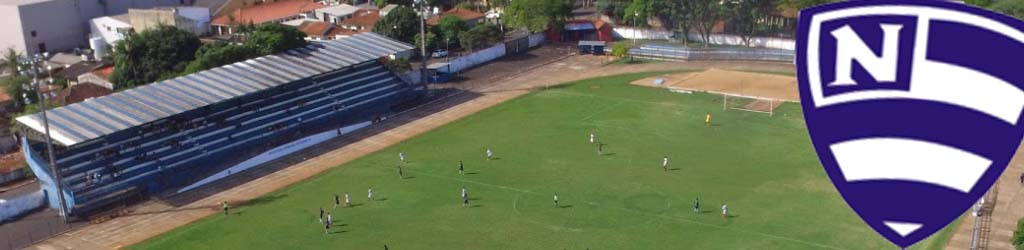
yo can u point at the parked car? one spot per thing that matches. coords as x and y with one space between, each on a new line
439 53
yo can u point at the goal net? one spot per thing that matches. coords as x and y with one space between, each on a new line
750 104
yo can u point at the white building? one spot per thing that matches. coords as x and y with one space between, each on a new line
110 28
32 26
336 13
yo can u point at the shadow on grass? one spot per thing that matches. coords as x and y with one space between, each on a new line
427 106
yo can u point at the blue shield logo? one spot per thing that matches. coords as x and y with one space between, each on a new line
914 107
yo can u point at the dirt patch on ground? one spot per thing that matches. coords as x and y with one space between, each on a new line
763 85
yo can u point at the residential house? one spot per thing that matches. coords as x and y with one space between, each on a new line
361 21
387 9
471 18
223 7
99 77
269 12
336 13
81 92
316 30
74 72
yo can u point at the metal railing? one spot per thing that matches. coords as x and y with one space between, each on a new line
681 53
32 229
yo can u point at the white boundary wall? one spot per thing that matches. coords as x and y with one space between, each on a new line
479 57
720 39
20 205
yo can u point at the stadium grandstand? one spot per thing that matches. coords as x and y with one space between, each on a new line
146 140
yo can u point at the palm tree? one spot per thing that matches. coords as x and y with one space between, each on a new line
10 61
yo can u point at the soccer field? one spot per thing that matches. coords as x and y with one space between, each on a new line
763 167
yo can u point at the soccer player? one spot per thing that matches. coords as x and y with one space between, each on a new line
600 148
465 200
707 120
330 220
348 202
224 205
696 205
369 194
464 194
725 211
400 175
337 202
461 168
327 228
664 163
401 156
591 138
556 199
489 154
321 215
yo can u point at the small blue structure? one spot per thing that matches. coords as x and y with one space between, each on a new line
591 47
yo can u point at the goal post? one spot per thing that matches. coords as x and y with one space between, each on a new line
750 104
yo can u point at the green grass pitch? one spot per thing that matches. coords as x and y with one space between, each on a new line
763 167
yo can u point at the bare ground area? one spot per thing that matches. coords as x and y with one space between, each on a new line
485 87
735 82
1000 216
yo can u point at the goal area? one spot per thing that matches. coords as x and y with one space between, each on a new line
750 103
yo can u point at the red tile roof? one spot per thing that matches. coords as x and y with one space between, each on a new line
462 14
364 18
315 28
104 71
342 32
268 11
82 91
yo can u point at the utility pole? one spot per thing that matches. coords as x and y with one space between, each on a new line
423 39
33 65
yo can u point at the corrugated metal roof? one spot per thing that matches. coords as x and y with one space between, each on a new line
94 118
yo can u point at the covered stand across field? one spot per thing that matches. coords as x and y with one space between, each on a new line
170 133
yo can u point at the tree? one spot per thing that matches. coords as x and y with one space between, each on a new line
1018 236
273 38
744 14
400 65
1014 8
802 4
707 12
538 15
450 27
620 50
614 8
10 61
639 11
151 55
13 86
218 54
431 41
479 35
400 24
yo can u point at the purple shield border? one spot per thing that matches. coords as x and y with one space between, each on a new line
822 148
